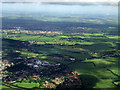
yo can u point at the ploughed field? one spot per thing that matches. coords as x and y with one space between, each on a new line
36 61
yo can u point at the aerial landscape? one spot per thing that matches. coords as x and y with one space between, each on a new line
59 45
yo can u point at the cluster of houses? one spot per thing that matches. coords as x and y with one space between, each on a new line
71 80
5 64
17 76
37 67
37 63
48 85
30 32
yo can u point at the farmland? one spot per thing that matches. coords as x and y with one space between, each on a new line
59 45
90 55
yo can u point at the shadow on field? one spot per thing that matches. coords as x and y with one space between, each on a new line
88 81
84 81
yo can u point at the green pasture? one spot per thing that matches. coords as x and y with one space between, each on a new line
5 87
28 53
26 85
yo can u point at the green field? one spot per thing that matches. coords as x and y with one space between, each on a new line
99 71
5 87
27 85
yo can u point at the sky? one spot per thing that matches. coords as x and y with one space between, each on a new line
59 0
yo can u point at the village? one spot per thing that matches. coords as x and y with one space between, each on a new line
25 68
18 30
35 69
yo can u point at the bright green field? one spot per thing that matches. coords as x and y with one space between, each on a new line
27 85
3 86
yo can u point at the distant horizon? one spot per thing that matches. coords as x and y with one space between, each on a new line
60 1
73 3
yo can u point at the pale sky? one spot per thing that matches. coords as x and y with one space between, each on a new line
59 0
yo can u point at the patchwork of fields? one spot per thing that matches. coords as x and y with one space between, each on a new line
93 56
